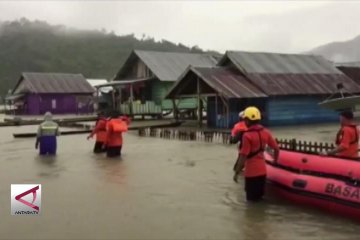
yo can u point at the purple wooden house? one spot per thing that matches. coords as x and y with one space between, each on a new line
59 93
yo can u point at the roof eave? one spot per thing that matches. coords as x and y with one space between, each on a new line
177 82
128 59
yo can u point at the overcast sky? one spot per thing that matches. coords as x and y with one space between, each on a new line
275 26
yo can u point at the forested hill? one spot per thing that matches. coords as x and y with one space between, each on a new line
40 47
346 51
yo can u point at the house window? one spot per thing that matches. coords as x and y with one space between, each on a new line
53 104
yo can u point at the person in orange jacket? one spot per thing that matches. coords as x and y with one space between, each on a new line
237 132
347 138
114 128
238 129
100 132
254 142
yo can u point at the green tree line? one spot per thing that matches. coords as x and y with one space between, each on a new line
40 47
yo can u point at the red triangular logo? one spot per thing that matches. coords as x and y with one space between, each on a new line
33 191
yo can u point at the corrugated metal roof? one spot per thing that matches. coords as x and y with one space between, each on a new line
351 72
300 84
217 56
123 82
14 97
229 83
168 66
54 83
224 81
290 74
256 62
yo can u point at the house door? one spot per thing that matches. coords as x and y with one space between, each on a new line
53 104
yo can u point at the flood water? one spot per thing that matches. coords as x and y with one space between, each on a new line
161 189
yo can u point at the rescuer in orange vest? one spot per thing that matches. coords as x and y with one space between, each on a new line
254 141
237 132
100 132
238 129
347 138
114 129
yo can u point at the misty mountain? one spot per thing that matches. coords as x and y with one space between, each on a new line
347 51
40 47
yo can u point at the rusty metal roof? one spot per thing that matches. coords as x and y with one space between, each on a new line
168 66
289 74
52 83
352 72
224 81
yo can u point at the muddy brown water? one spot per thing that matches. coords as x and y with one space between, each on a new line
161 189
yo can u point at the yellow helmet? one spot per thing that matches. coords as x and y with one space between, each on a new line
252 113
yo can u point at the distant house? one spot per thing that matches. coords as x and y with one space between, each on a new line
286 87
154 73
102 95
59 93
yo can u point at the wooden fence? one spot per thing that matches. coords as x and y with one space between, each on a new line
186 134
304 146
223 137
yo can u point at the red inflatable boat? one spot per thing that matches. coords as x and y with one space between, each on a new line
328 183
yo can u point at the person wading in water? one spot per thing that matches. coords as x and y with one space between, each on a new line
46 136
100 131
236 134
115 127
253 144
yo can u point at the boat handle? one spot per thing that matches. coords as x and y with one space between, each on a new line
354 182
299 183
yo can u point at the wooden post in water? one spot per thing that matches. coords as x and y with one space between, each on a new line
175 109
326 147
113 98
293 144
131 110
199 105
120 99
216 110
